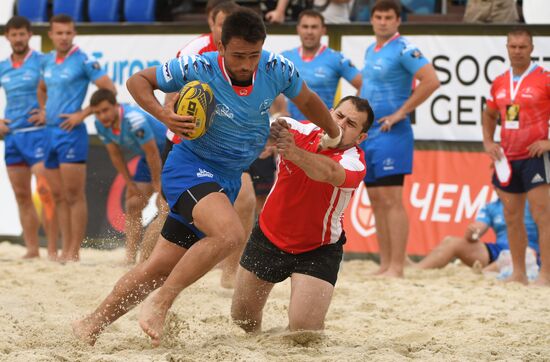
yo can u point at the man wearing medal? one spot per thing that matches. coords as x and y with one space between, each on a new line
521 97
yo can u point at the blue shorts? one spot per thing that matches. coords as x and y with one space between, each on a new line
388 153
143 174
494 250
24 147
184 170
527 174
66 146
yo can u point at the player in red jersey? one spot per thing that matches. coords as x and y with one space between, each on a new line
299 233
521 97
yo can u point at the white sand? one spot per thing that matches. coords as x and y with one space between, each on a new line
449 314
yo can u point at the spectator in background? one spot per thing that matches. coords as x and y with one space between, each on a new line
321 67
525 89
123 126
391 65
66 73
491 11
470 248
24 140
333 11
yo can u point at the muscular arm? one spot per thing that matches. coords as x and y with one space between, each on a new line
152 157
115 154
357 82
42 94
141 86
316 111
317 167
489 124
428 84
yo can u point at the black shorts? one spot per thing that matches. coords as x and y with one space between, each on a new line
527 174
393 180
166 150
262 172
274 265
177 233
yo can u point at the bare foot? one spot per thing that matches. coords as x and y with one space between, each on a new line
151 318
84 330
517 278
31 255
53 257
392 273
380 271
542 281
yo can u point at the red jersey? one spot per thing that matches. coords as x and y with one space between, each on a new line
530 107
199 45
301 214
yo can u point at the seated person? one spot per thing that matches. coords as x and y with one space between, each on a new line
299 234
470 248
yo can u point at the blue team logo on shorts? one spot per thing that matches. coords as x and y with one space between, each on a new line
388 164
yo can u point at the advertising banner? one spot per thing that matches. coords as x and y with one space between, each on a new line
442 196
466 67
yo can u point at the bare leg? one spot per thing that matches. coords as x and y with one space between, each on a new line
455 247
153 230
244 205
390 212
539 201
514 205
382 232
61 210
74 182
310 298
48 217
249 300
223 234
20 178
130 290
134 206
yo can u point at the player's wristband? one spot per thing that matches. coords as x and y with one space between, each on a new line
328 142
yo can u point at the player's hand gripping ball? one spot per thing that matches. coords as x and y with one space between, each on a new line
196 99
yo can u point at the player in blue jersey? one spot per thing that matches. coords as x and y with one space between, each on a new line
391 66
201 178
66 74
470 248
321 67
24 141
124 126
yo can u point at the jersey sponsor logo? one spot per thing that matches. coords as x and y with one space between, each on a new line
320 72
166 72
264 107
140 133
203 173
223 111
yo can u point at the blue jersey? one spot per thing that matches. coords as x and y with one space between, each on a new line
20 84
67 82
321 74
137 127
492 214
388 77
240 126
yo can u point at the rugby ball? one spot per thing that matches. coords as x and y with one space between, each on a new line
196 99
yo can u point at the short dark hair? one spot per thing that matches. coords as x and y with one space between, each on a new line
211 4
362 105
246 24
18 22
313 14
227 7
101 95
386 5
61 18
519 31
